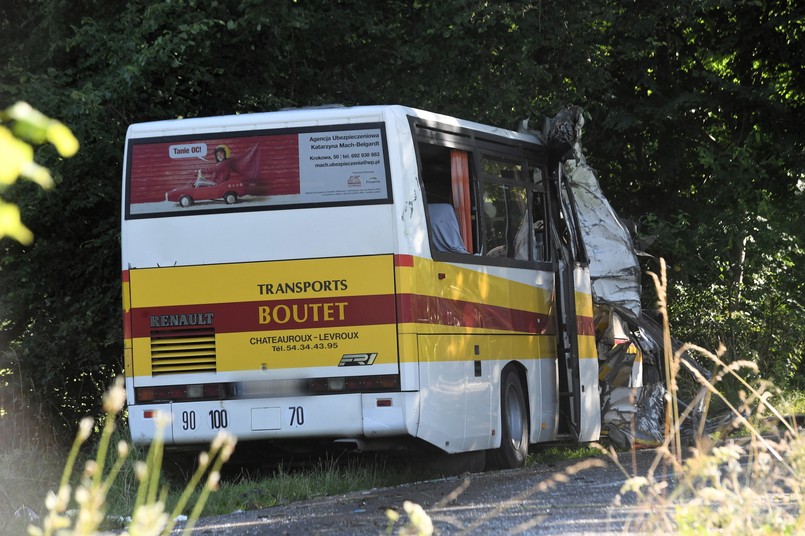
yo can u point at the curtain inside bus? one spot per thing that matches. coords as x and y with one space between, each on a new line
460 177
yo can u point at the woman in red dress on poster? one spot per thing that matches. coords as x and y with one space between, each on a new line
218 174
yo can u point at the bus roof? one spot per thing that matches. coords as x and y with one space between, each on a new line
304 117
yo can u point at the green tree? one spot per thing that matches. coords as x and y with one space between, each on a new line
19 123
701 144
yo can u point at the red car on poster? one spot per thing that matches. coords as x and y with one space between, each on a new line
230 192
216 182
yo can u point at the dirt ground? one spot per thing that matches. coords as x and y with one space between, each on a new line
525 501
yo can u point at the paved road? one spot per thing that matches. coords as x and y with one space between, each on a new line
527 501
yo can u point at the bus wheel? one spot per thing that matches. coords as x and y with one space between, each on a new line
230 198
514 425
185 201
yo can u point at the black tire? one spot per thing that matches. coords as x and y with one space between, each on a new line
230 198
185 201
513 425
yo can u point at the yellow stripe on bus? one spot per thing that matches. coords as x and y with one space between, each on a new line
228 283
305 347
126 297
298 348
453 282
584 304
440 348
430 329
587 347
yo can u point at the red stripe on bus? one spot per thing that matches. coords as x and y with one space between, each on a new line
271 315
126 325
345 312
585 325
125 276
413 308
404 260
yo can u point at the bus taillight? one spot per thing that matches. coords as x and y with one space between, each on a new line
354 384
180 393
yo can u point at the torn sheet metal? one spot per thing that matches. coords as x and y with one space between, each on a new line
614 268
632 395
630 345
633 417
631 374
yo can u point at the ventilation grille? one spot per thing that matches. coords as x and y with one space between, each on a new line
181 350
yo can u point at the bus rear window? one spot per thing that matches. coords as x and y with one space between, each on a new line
257 170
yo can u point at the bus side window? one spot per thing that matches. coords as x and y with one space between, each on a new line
539 216
508 227
446 185
539 227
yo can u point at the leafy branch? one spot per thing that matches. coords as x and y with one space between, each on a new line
20 127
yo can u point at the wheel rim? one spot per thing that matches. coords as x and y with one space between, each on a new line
514 414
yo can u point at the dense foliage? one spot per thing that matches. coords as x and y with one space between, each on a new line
696 109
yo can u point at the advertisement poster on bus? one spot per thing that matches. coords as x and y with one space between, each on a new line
192 174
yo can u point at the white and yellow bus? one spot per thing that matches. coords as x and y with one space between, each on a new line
372 275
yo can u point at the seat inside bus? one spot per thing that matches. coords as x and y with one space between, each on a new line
444 228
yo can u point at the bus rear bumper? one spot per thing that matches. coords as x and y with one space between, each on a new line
368 416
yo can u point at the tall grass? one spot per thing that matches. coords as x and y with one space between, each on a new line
747 479
80 508
119 486
31 454
24 474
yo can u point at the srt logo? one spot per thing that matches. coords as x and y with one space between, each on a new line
351 360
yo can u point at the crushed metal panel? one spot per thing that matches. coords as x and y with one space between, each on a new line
614 268
632 398
630 345
633 416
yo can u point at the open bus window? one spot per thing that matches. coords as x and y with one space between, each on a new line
445 232
538 227
448 194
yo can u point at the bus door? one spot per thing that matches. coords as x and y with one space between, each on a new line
572 291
